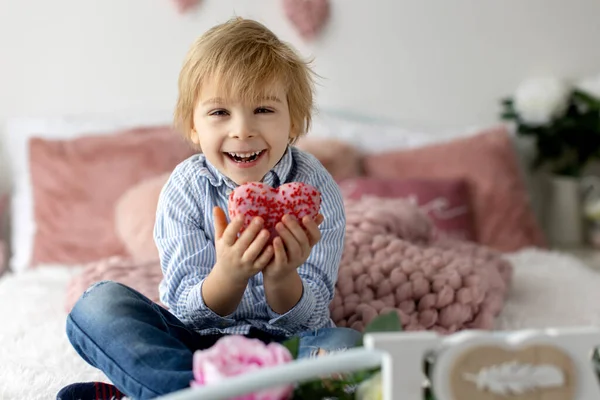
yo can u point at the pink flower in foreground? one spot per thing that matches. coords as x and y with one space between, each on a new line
235 355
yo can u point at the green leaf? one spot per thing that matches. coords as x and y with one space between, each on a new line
389 322
509 116
586 98
293 345
429 395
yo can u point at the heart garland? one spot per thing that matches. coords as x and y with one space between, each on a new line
308 16
184 6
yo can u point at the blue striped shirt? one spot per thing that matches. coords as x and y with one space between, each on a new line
184 235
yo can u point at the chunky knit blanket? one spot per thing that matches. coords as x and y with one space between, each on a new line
392 261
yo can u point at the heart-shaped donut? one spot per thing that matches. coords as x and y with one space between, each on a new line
256 199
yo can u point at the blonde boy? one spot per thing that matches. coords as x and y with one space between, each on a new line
244 98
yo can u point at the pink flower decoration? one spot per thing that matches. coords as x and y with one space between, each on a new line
235 355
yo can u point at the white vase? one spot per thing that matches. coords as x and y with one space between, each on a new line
563 213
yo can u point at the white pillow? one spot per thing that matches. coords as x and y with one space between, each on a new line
19 131
372 135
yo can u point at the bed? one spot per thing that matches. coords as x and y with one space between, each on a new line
37 359
548 289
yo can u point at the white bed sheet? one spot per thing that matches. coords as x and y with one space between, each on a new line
550 290
36 356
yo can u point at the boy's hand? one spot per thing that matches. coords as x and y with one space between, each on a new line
293 246
240 258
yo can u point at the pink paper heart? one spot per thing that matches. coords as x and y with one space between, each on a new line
186 5
257 199
308 16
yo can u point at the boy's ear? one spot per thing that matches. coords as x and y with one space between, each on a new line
293 135
193 137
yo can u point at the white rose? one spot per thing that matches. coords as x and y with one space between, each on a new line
590 86
370 389
592 211
539 100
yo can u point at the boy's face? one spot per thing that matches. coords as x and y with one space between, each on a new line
243 141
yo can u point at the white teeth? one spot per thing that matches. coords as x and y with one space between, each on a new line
245 155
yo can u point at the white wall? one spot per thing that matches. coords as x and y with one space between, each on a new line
428 62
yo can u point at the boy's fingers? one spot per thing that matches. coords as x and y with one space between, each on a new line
232 230
265 258
249 234
292 246
280 254
294 227
299 234
319 219
220 222
254 248
312 231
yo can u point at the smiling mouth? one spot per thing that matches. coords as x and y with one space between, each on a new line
245 157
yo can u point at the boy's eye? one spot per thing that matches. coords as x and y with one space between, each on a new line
263 110
218 113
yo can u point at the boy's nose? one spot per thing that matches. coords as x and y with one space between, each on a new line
242 130
242 134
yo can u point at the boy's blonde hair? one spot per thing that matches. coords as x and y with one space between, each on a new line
244 57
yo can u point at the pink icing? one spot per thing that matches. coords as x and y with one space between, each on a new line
256 199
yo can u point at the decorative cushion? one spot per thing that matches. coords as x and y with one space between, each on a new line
342 160
391 262
135 214
77 182
503 217
141 276
446 201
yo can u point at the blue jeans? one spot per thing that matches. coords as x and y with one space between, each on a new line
146 351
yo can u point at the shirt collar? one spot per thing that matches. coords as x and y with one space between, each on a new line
275 177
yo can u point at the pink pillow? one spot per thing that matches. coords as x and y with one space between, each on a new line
76 183
445 201
503 216
135 214
144 277
3 245
340 159
391 263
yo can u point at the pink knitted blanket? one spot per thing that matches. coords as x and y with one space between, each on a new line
392 261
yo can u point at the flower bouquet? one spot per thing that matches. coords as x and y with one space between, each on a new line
563 118
563 121
235 355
